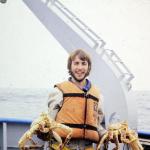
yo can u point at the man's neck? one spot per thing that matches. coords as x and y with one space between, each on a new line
79 84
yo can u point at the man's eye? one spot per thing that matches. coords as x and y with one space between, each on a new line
76 63
84 63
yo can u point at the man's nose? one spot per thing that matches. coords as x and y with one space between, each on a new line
80 66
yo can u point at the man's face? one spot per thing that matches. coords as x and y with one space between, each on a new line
79 69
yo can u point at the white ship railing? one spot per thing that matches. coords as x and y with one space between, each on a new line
96 42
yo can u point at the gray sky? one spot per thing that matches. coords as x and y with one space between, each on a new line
31 57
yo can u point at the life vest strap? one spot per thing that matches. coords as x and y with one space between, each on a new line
88 96
81 126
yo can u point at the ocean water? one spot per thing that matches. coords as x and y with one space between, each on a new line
22 103
29 103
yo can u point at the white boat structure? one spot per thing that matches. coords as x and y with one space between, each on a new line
109 72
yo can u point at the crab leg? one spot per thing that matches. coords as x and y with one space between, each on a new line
68 129
104 137
27 136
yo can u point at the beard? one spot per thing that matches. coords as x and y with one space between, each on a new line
78 80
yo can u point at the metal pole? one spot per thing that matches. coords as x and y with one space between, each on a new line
4 136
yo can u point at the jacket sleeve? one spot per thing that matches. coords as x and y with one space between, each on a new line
55 100
101 129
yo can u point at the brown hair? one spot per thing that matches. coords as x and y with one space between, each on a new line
83 56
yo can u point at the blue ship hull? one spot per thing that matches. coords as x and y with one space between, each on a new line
12 129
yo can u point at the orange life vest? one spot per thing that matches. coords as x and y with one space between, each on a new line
79 111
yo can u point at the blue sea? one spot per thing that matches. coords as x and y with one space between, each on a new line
29 103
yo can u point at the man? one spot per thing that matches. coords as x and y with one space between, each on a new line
77 104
